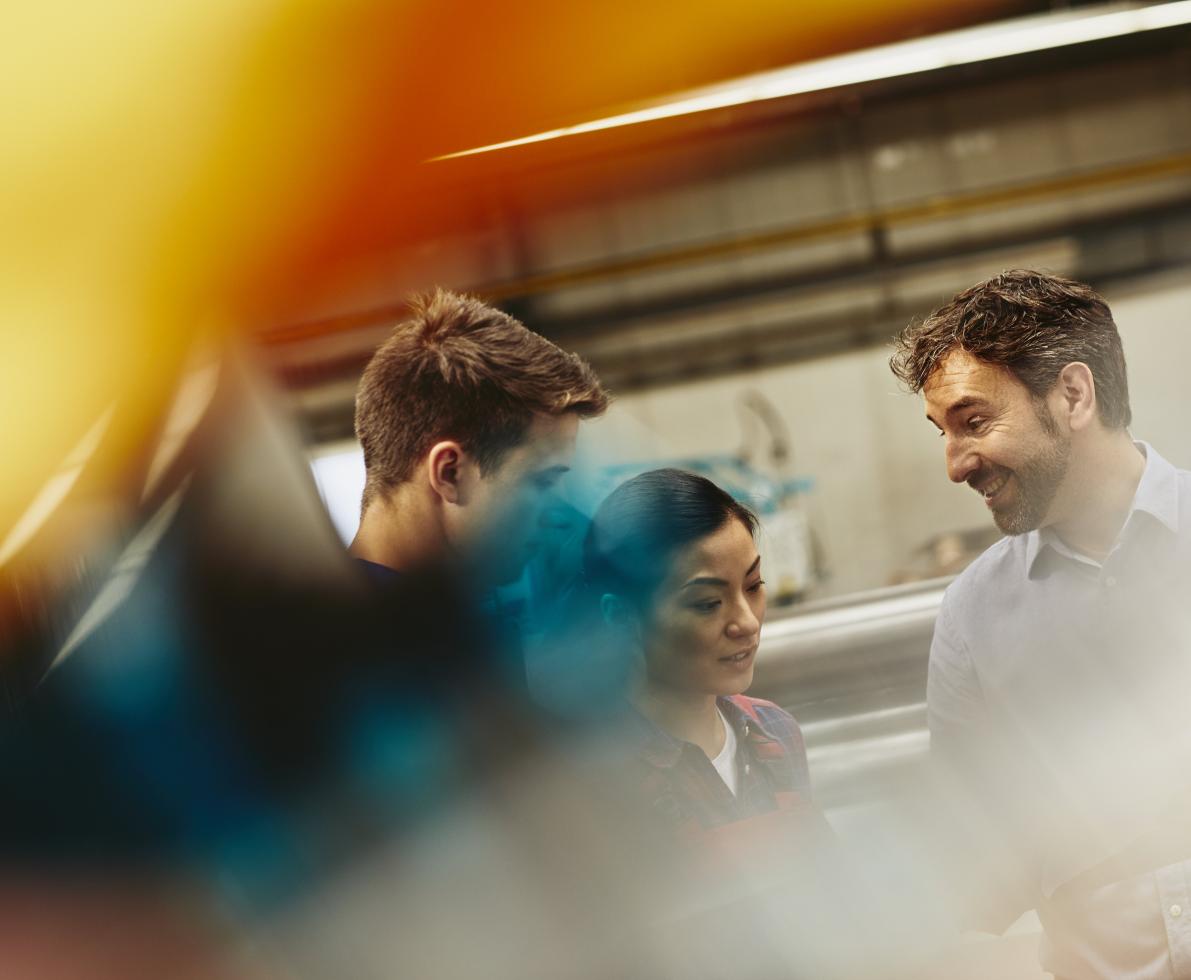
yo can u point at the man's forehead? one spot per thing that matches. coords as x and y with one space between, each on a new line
550 439
961 375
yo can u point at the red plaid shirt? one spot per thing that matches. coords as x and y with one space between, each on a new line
686 791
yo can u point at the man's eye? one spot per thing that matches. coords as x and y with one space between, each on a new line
976 422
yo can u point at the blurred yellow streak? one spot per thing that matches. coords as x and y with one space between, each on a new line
139 180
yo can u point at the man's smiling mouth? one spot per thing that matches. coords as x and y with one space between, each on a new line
990 490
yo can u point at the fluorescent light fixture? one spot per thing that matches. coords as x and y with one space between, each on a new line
964 47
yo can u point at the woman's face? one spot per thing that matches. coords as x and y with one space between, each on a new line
702 633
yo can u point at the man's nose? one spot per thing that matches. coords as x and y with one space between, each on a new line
553 516
962 462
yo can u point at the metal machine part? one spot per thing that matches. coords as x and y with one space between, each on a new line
853 672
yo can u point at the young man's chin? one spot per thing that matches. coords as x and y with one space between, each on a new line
506 576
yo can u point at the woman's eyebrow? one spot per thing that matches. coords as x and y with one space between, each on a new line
709 580
705 580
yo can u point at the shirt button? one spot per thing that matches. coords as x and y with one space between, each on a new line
1176 911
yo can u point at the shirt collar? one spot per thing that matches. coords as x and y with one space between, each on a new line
660 748
1157 494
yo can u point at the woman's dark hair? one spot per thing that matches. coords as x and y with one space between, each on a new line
637 530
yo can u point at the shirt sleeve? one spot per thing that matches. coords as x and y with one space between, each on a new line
979 815
791 738
780 724
955 706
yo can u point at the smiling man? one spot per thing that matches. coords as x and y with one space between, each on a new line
1059 672
468 421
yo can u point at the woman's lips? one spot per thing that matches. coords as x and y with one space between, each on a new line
741 658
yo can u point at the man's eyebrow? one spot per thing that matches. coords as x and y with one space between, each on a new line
968 401
559 468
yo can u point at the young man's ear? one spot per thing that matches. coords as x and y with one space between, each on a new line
445 464
1077 387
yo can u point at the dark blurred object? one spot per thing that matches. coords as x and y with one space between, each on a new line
232 694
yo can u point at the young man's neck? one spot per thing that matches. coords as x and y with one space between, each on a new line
693 718
1102 491
401 531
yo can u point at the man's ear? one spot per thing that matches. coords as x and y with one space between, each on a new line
444 468
1077 388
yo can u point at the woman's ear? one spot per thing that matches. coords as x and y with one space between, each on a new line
611 608
619 614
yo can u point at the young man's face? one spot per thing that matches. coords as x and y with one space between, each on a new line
500 526
1002 442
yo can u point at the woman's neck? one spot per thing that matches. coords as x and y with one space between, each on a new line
691 717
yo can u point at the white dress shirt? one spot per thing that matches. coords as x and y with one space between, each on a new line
1060 689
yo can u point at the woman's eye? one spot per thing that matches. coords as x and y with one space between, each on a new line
757 585
708 605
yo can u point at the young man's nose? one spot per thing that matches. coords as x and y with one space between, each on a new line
552 516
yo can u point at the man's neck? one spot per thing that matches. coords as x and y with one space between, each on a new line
1102 492
690 717
400 531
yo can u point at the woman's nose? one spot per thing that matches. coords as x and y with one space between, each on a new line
744 624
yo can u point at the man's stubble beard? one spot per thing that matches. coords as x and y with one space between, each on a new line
1038 480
